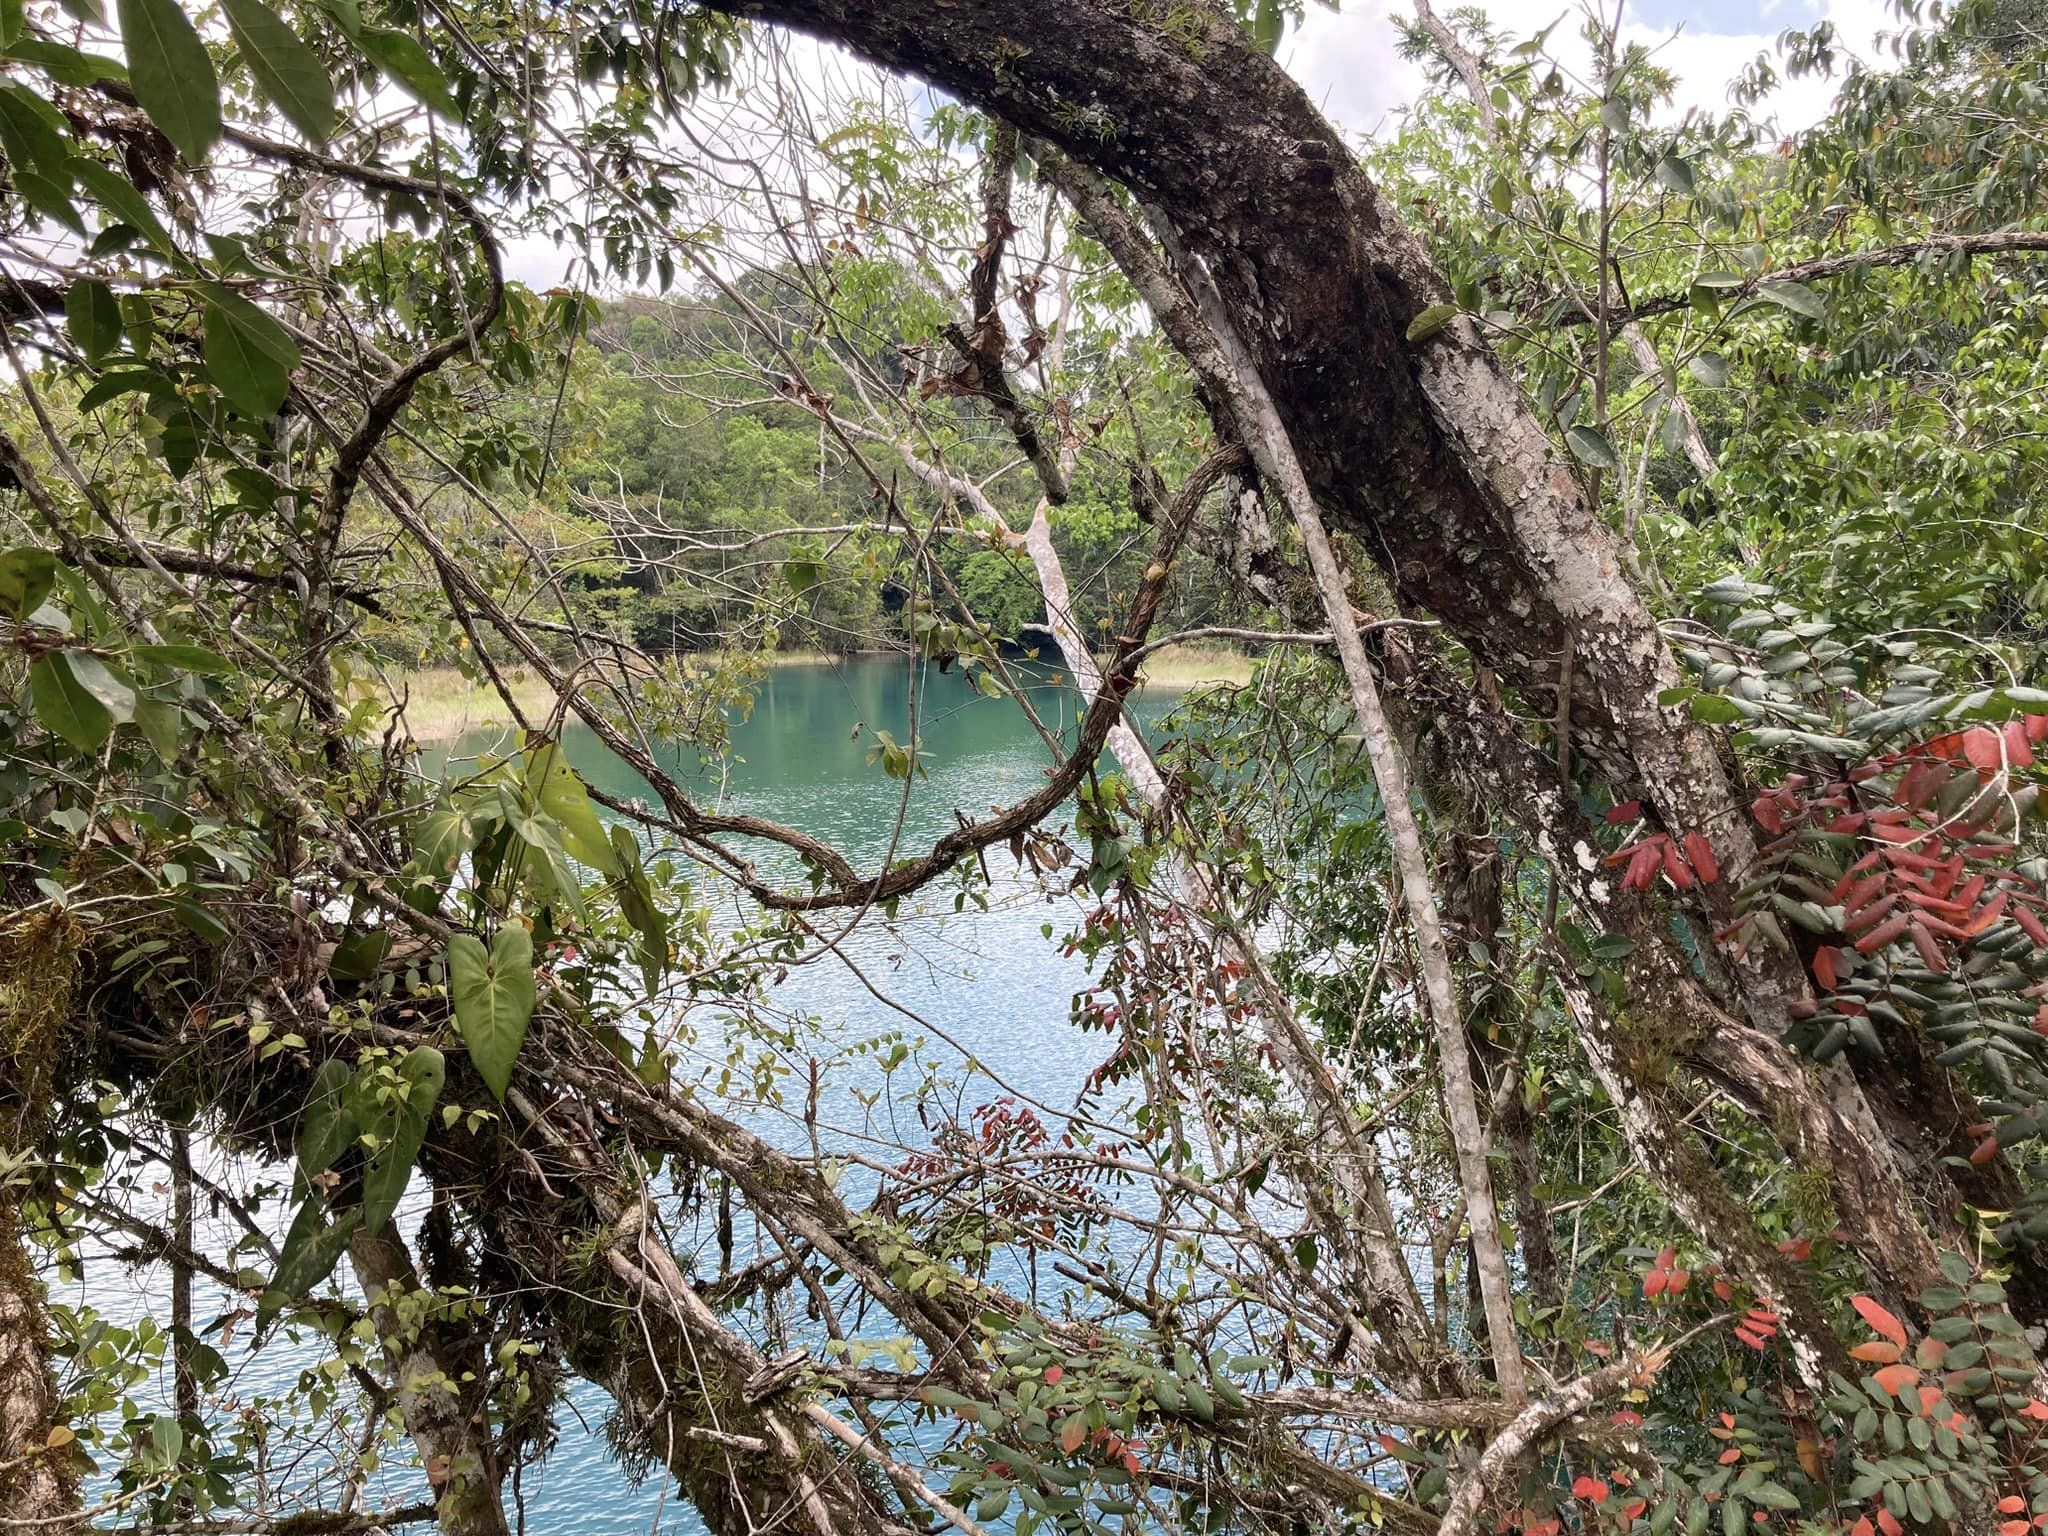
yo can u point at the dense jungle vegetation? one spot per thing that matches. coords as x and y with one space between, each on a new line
1570 1033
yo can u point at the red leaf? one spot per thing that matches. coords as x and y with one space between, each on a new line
1889 1522
1983 748
1642 868
1986 1150
1054 1374
2033 925
1680 1279
1824 970
1674 866
1072 1433
1930 952
2012 1504
1876 1352
2037 727
2017 751
1880 1320
1653 1283
1767 815
1894 1379
1729 1457
1621 815
1701 853
1883 934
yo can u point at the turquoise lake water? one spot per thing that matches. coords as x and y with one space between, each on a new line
982 984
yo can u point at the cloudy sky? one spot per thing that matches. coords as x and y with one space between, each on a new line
1348 60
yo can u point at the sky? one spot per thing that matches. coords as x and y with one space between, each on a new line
1348 60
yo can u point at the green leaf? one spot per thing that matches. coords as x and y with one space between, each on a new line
32 133
125 381
162 725
1589 445
311 1250
51 198
27 576
802 573
1267 26
66 705
171 73
1710 368
1797 297
494 997
390 1170
93 317
289 73
399 56
1676 173
556 790
1719 282
118 196
250 356
329 1123
12 23
183 658
444 836
1431 320
104 683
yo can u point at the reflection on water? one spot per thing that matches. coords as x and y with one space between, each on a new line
988 981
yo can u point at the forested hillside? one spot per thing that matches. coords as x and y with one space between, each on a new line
1563 1047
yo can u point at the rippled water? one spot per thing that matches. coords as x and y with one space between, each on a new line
988 981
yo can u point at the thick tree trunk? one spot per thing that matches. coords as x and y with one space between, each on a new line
438 1374
38 1482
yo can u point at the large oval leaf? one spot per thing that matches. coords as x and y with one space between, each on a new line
79 698
288 72
250 356
27 576
93 317
494 995
172 75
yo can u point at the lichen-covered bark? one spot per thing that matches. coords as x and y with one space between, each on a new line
438 1374
38 1484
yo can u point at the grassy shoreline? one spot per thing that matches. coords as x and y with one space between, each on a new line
442 705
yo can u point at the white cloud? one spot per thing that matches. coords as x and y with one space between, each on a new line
1349 63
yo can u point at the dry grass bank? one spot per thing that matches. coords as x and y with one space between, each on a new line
1177 668
442 705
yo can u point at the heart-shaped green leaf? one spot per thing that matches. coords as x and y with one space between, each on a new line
494 997
311 1250
556 789
404 1131
329 1123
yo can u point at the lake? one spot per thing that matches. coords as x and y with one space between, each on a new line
986 986
983 983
